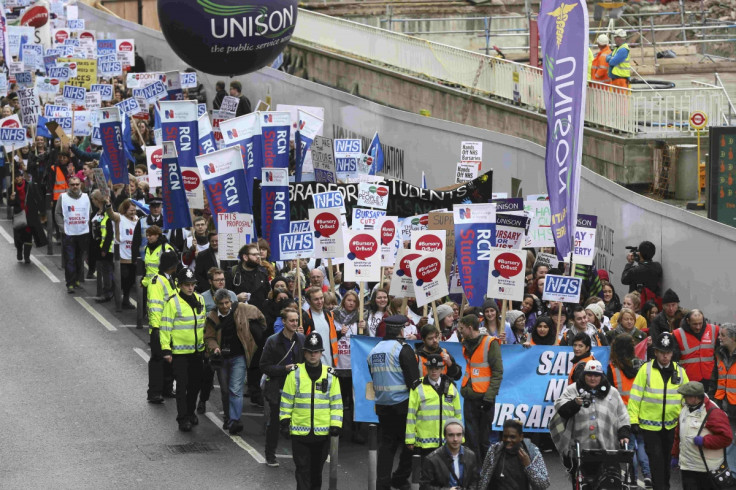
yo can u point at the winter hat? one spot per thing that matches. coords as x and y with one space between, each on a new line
670 297
277 279
603 275
451 421
489 303
596 310
443 311
512 316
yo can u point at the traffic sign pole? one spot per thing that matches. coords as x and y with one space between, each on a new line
698 120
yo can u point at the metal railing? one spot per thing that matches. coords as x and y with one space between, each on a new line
613 108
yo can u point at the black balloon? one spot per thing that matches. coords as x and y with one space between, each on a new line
227 37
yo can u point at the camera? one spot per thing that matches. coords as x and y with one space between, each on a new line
587 398
635 251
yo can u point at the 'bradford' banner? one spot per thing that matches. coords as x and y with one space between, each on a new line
563 30
404 199
175 208
274 207
539 378
224 180
113 153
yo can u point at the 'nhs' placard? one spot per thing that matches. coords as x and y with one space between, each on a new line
296 245
562 288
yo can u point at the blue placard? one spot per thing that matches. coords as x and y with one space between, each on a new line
562 288
110 69
74 94
129 106
9 136
104 90
296 245
24 79
61 72
329 199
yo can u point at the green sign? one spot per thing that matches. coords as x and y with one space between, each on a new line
722 205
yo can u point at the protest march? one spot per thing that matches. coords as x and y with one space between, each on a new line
335 305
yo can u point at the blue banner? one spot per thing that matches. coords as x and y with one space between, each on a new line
175 207
563 32
242 131
275 210
224 181
375 153
179 124
207 143
308 127
475 234
539 377
113 153
275 128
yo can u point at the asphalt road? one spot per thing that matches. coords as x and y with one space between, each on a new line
73 410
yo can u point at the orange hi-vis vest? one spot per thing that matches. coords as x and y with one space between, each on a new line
599 71
333 334
60 184
726 382
478 371
697 356
423 369
572 370
621 383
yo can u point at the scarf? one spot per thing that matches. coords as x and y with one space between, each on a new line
20 190
548 339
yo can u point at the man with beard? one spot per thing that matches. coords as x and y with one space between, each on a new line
431 346
249 281
697 344
73 211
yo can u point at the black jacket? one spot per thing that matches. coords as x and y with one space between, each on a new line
205 261
272 363
436 470
647 274
254 282
243 106
217 101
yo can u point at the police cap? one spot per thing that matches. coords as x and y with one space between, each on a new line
665 342
434 361
186 276
313 343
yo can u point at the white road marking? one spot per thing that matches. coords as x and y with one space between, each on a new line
237 439
95 314
142 353
44 269
6 236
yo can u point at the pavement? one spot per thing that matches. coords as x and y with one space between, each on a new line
73 410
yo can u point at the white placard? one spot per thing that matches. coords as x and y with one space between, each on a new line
471 151
506 274
328 233
154 155
363 262
428 240
234 230
365 219
428 273
372 195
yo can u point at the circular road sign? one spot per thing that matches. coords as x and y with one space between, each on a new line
698 120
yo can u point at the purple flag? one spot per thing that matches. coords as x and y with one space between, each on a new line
563 32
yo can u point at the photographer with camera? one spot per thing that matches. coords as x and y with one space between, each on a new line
231 333
642 274
591 412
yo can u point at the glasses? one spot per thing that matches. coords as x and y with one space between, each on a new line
222 279
75 185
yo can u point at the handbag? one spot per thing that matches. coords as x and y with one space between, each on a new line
721 477
20 220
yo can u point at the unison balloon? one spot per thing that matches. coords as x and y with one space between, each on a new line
227 37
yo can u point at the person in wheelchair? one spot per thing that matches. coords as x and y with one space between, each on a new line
591 413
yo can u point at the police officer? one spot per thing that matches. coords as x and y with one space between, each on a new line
162 286
654 407
182 345
394 370
433 402
156 244
311 406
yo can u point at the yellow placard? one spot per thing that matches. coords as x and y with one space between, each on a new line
86 72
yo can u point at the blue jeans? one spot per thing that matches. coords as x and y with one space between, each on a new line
640 457
232 378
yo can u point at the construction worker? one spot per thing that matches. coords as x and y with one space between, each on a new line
481 382
393 367
697 343
654 407
162 286
311 406
619 61
599 71
431 345
434 401
156 244
182 345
